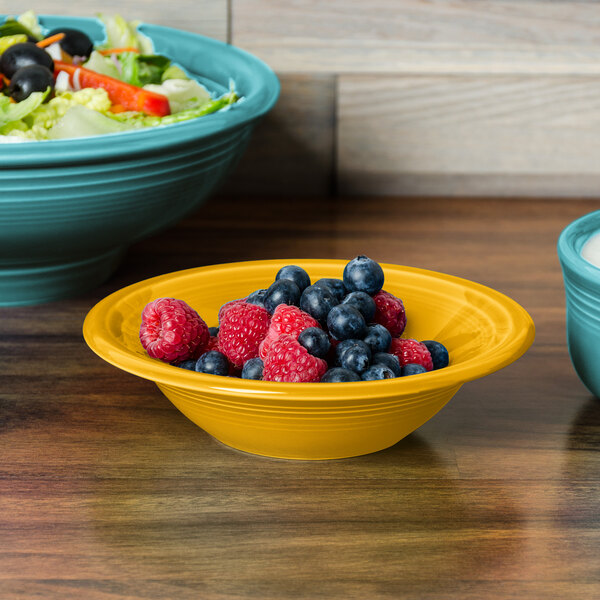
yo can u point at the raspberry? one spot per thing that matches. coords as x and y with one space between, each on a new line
243 327
172 331
411 351
213 344
289 361
390 312
228 305
288 320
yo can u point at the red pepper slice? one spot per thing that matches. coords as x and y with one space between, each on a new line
130 97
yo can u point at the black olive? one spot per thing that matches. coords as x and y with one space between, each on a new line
29 79
22 55
75 42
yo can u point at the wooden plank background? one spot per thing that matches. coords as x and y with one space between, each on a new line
410 97
202 16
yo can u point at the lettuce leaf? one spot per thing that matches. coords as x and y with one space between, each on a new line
174 72
102 64
123 34
15 111
26 24
183 94
140 120
30 21
80 121
142 69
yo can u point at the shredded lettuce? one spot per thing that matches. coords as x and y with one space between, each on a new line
102 64
11 112
174 72
131 67
142 120
123 34
81 121
36 123
141 69
183 94
29 20
7 41
12 27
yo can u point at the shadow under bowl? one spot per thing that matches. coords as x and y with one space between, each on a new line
582 291
70 208
482 329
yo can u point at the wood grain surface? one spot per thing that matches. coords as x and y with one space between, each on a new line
200 16
107 491
412 36
507 135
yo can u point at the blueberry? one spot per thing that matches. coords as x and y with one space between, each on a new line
318 301
378 338
213 331
316 341
413 369
364 303
439 354
356 357
282 291
213 363
345 345
337 374
257 297
362 274
189 365
335 285
342 347
296 274
345 322
389 360
253 369
375 372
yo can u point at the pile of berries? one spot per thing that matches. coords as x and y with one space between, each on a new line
333 330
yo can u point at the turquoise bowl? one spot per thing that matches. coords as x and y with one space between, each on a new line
70 208
582 287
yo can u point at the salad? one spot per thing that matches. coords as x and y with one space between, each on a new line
57 84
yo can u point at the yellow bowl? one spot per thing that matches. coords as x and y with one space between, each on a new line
483 330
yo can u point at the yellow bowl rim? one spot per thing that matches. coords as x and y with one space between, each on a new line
101 342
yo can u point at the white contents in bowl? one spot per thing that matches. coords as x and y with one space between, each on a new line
591 250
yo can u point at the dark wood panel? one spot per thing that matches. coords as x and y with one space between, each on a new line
292 150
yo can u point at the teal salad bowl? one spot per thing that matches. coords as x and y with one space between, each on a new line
582 288
70 208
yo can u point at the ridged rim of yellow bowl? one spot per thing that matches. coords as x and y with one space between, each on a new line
514 344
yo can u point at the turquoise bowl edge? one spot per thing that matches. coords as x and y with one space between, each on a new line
582 294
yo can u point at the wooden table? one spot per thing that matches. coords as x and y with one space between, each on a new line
107 491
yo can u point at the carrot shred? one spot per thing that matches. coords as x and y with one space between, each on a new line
118 50
50 40
117 108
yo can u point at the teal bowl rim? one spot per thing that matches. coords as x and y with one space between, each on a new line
570 242
258 101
